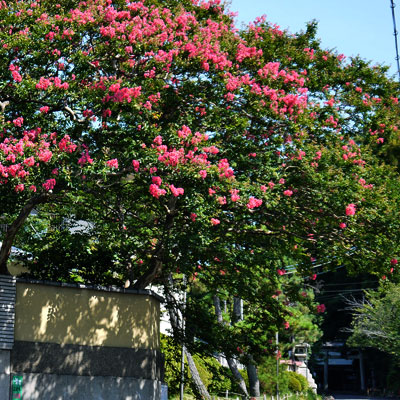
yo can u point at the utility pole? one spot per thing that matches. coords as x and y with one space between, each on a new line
183 343
277 364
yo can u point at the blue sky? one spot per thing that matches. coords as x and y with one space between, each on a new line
352 27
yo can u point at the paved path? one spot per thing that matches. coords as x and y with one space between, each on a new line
357 397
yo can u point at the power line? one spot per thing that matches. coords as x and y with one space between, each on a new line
392 6
345 290
348 283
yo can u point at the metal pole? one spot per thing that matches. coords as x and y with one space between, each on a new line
307 362
277 364
183 345
182 371
392 6
362 372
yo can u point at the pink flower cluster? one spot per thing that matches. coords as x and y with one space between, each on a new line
112 163
156 191
351 209
176 191
49 184
321 308
253 203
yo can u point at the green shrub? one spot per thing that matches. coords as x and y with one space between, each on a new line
268 378
216 378
172 364
294 384
302 379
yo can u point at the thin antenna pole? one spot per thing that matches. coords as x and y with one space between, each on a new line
392 6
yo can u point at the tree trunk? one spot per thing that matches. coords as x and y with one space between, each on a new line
174 319
254 383
231 362
13 229
198 383
237 309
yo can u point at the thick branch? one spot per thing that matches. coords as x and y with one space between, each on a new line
13 229
157 260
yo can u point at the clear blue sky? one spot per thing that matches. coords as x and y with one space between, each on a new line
352 27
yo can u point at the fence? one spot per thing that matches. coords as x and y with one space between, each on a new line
237 396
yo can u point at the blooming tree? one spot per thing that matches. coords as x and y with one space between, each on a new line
193 147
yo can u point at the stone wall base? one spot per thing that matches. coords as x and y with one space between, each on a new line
5 374
62 387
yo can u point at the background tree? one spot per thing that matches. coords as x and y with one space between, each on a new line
376 320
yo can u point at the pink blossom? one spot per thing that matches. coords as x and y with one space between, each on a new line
393 261
281 181
45 155
286 325
351 209
342 225
112 163
18 121
49 184
221 200
44 109
43 84
321 308
29 162
16 76
215 221
193 216
136 165
66 144
280 271
156 191
85 158
235 195
32 188
253 203
106 113
20 187
176 191
203 173
184 132
156 180
288 193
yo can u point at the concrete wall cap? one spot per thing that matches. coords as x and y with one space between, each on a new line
100 288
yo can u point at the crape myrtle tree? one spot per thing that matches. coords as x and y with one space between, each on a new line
191 147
